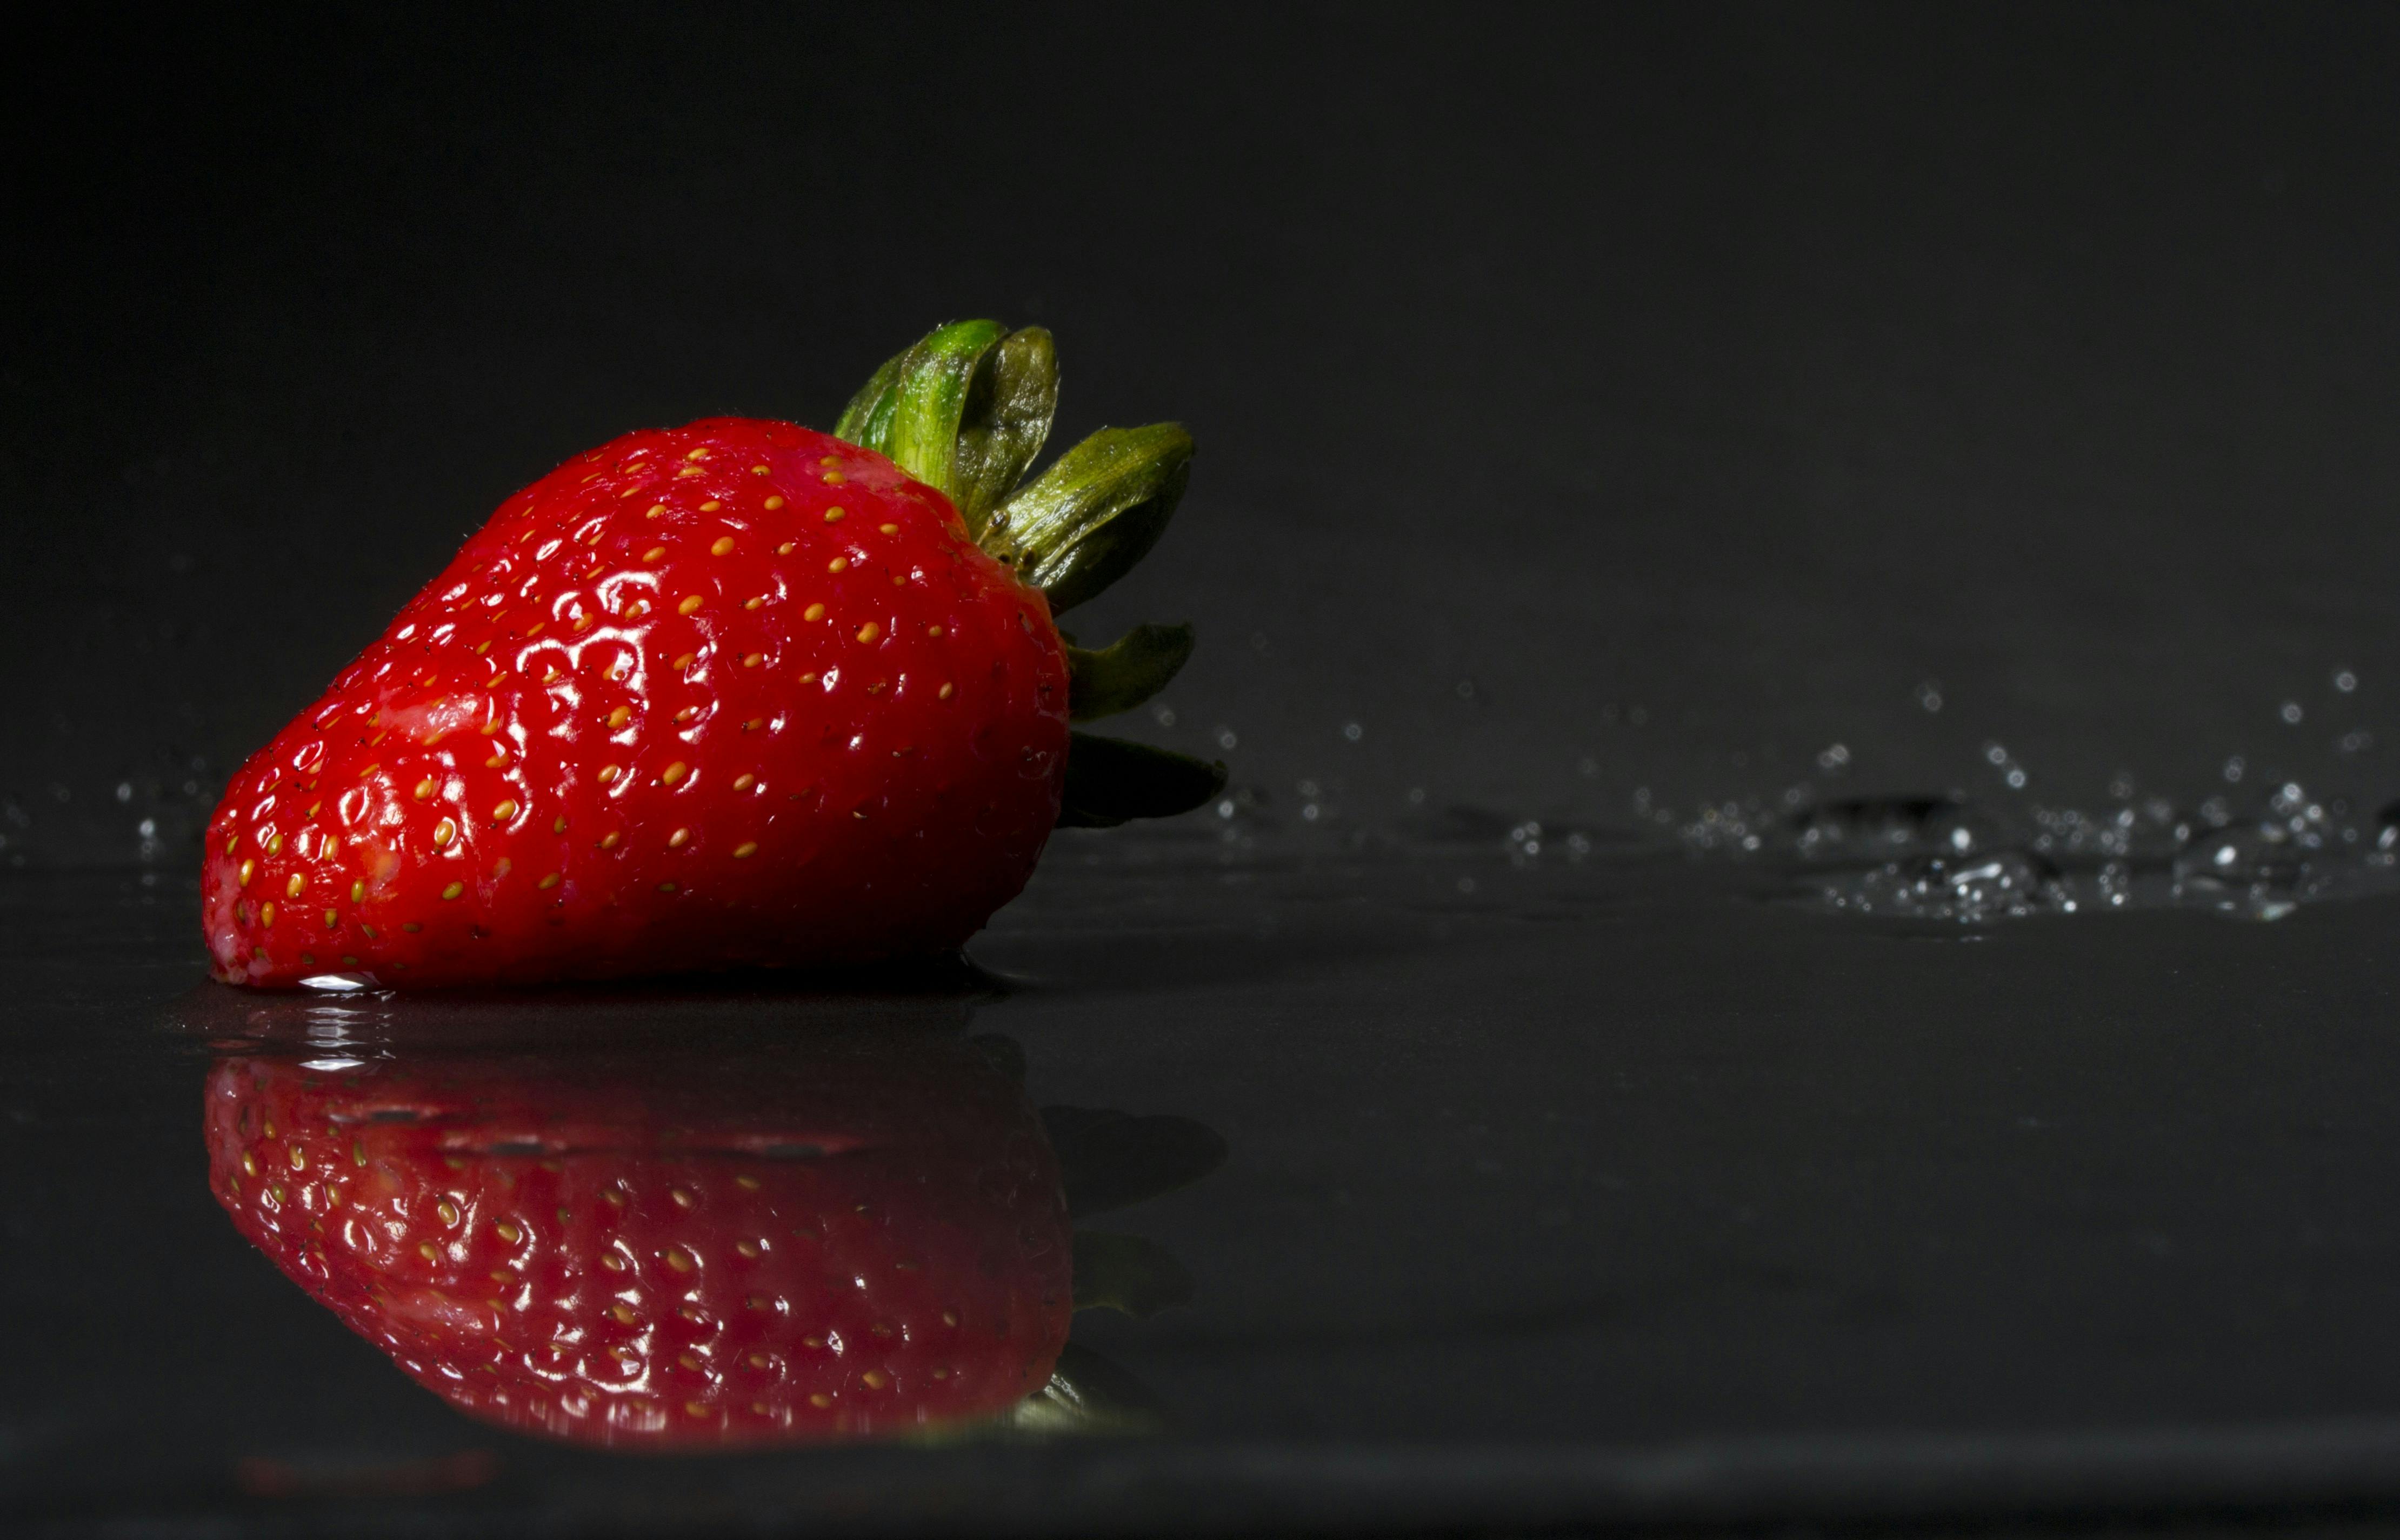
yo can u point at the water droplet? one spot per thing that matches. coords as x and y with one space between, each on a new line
2290 714
1162 714
1834 757
1353 732
1928 695
2344 680
2233 768
125 791
1225 738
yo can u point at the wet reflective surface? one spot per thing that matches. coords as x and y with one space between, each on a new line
1404 1179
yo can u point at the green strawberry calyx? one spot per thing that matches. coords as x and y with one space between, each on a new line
965 410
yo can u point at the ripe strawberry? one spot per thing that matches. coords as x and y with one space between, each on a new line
738 693
852 1235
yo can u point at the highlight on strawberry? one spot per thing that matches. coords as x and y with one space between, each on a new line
837 1236
737 694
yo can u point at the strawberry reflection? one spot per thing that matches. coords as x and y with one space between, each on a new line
663 1233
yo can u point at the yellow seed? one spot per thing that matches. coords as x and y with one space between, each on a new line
454 889
757 471
747 1184
868 632
786 547
820 1400
745 850
744 780
482 648
267 915
748 1248
500 867
358 893
505 811
558 824
752 604
677 841
608 773
944 692
411 926
620 717
775 502
710 506
887 529
933 630
754 660
839 564
612 1262
608 841
448 1210
666 887
690 602
549 882
656 511
687 714
425 788
332 919
834 478
623 1312
898 579
444 832
509 1233
814 612
426 1250
249 869
685 661
873 1379
275 845
678 1259
653 553
697 454
535 629
674 772
834 516
499 757
753 724
724 546
696 1409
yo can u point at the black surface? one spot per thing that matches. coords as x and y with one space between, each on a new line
1588 400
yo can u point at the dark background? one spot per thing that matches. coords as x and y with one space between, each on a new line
1586 397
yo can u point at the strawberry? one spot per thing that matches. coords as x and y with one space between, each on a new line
853 1235
734 694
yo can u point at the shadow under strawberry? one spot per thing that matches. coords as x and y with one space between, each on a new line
841 1234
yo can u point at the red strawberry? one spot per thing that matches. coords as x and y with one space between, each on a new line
739 693
861 1234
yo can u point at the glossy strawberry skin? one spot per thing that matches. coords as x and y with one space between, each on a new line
666 1252
733 694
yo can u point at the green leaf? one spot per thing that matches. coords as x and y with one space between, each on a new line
930 395
1110 780
964 410
1125 672
1011 398
1129 1275
1087 1395
1099 508
866 421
